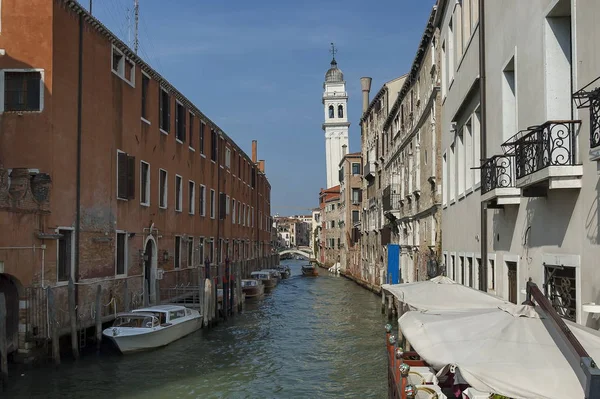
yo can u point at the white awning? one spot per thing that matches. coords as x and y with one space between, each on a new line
442 293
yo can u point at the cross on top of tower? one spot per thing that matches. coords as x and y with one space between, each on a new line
333 50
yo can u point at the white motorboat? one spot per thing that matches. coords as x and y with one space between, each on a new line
152 327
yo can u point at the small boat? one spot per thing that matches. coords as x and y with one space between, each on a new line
268 281
253 288
285 271
309 270
152 327
274 273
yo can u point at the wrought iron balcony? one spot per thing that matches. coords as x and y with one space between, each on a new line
498 172
589 97
391 198
369 169
538 147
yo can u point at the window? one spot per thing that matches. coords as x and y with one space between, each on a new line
331 112
123 67
452 173
164 111
356 194
227 205
492 274
239 212
214 145
190 253
233 211
145 84
125 176
202 204
178 193
469 158
144 183
509 101
201 250
228 158
177 256
222 206
460 158
211 250
65 254
23 91
355 217
475 127
191 142
332 224
201 137
355 168
244 215
179 122
162 188
340 111
212 204
192 197
121 254
444 179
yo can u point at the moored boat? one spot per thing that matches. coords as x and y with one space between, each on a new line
253 288
285 271
152 327
266 279
274 273
309 270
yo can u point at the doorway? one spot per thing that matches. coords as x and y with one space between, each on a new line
512 281
10 289
150 264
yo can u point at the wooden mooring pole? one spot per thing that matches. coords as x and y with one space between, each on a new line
73 319
3 340
98 317
53 323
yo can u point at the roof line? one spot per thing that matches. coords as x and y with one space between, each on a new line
100 27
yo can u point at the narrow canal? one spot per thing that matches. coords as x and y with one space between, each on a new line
310 338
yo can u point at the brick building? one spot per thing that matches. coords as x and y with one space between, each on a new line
108 174
350 210
329 200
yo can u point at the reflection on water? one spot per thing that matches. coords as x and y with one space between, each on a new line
311 337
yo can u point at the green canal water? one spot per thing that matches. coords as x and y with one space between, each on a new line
310 338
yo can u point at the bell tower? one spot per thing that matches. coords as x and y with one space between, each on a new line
335 105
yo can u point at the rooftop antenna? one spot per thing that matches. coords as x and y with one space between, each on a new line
91 3
136 11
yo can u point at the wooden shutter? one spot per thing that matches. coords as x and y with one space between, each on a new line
160 108
130 177
122 176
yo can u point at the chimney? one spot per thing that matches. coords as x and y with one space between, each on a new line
261 165
253 151
344 150
365 85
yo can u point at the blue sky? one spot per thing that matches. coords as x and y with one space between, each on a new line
256 68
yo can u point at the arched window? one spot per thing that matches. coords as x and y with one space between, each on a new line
331 115
340 111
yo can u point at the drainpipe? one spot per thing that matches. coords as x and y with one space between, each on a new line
483 280
78 179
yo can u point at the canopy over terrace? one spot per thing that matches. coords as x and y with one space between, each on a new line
492 345
442 293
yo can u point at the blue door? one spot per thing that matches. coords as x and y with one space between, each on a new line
393 272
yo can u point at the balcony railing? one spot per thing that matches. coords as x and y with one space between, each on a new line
391 198
498 172
589 97
538 147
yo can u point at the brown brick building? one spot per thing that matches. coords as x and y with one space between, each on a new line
108 174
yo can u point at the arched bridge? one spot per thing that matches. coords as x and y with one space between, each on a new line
301 252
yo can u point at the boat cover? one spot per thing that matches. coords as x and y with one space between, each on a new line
490 344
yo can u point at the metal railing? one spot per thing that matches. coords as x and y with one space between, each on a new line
553 143
391 198
498 172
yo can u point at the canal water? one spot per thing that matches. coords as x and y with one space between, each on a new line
310 338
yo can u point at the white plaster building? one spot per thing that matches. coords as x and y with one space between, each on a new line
335 106
458 24
540 181
315 230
